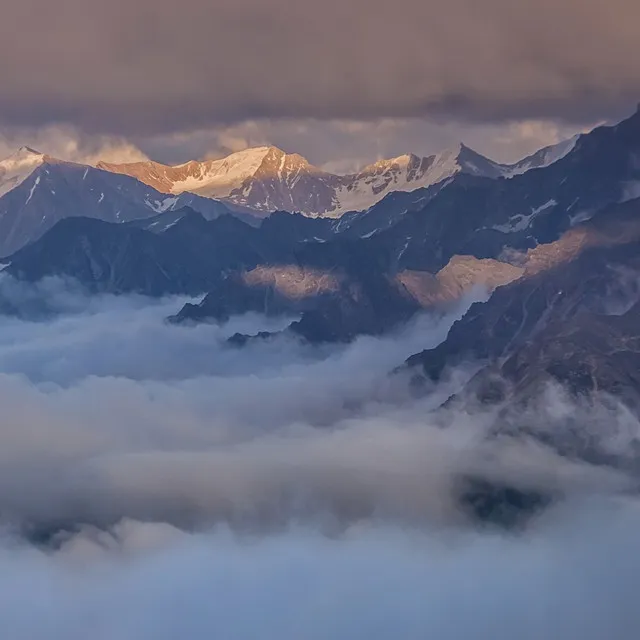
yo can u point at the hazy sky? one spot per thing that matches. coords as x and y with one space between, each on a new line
334 80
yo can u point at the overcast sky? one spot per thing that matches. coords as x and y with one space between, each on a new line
341 81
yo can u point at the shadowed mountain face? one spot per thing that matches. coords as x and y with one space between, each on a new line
469 215
186 257
46 190
572 318
282 268
334 306
337 304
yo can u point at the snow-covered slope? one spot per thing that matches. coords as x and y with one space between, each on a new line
407 173
542 158
262 179
209 178
219 178
266 179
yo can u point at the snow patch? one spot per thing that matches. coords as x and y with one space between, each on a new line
521 222
542 158
32 190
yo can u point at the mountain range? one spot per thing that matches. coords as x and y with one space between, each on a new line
411 251
550 247
37 190
266 179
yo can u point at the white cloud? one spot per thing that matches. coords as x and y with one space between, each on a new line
574 577
136 443
71 144
347 145
340 146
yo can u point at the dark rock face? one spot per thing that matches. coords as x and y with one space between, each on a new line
186 258
340 292
572 319
57 190
501 505
290 265
335 306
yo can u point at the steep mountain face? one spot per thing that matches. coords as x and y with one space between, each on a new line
184 255
407 173
267 179
571 318
470 215
38 191
263 179
554 356
338 303
542 158
291 265
335 305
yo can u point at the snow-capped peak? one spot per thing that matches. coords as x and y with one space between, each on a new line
18 167
218 178
266 178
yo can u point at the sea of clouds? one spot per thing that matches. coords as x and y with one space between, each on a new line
156 482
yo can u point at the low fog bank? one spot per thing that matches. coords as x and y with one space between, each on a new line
110 412
575 575
156 482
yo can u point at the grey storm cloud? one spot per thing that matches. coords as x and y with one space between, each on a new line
143 66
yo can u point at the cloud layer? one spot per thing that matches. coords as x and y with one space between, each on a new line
131 67
156 483
109 413
574 577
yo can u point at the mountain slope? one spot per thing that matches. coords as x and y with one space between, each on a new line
590 273
38 191
486 218
542 158
266 179
263 179
554 356
290 265
187 255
